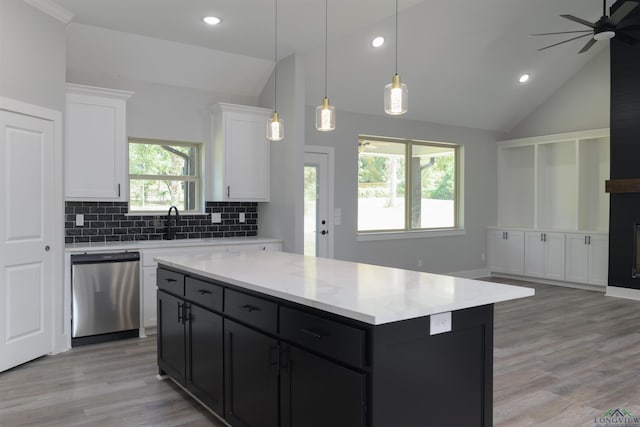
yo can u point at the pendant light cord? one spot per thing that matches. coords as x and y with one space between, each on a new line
604 7
396 36
275 60
326 40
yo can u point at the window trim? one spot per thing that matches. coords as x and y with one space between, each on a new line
196 178
407 231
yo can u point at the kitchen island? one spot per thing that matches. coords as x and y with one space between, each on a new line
277 339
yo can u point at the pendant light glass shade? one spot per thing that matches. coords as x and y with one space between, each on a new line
395 97
325 116
275 128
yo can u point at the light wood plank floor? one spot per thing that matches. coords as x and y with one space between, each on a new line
562 358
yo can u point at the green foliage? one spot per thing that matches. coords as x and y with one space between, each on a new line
438 180
372 169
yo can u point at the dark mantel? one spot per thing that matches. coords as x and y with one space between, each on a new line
631 185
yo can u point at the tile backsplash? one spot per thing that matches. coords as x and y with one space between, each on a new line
110 222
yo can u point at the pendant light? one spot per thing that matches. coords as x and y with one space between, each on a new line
325 113
275 128
395 93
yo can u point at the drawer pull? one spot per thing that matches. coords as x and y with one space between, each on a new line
314 334
249 308
170 280
204 292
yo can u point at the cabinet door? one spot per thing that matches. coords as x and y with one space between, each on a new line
534 254
576 258
246 157
251 377
497 251
554 256
149 305
171 337
598 259
205 357
319 393
515 252
95 146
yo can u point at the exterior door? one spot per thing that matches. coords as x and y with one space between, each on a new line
318 230
26 238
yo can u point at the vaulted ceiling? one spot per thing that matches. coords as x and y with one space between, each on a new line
460 58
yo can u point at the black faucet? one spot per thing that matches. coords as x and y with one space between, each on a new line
169 228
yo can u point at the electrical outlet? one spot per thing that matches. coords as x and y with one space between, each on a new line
79 220
216 218
440 323
419 263
241 217
483 257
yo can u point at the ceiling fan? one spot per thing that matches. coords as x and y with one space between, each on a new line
604 28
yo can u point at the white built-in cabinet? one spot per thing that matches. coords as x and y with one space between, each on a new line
95 144
240 161
506 251
587 258
551 188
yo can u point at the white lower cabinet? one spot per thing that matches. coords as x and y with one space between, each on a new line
506 251
587 258
149 266
544 255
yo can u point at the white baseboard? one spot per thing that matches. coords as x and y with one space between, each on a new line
583 286
471 274
615 291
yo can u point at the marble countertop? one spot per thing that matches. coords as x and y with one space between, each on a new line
368 293
153 244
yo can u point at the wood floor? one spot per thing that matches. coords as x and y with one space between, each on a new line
561 358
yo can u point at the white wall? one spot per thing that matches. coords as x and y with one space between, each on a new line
282 217
582 103
439 254
32 52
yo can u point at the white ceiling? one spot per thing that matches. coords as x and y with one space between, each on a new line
460 58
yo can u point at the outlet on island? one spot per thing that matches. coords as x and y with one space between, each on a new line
241 217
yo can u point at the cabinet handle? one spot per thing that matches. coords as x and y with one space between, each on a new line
314 334
180 313
170 280
541 237
545 237
228 191
585 240
204 291
118 190
506 235
274 362
249 308
589 240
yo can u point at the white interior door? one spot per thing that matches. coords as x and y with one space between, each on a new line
318 198
26 233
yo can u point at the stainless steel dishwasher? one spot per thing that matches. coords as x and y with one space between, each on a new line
105 292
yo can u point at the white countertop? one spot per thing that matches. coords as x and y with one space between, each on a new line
364 292
149 244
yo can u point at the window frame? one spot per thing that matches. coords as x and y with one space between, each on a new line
196 178
408 231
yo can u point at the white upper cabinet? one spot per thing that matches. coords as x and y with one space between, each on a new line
240 162
95 143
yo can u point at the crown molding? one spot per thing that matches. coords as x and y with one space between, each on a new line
52 9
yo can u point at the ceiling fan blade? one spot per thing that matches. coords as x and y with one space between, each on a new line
587 46
624 9
578 20
561 32
565 41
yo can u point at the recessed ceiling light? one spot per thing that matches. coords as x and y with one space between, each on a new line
524 78
212 20
377 42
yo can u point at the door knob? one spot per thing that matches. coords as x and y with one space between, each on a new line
47 248
323 222
324 232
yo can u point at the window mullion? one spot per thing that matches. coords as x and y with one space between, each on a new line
407 187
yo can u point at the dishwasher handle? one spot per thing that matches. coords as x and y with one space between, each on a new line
105 257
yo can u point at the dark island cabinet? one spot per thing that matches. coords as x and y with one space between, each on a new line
318 393
172 348
252 371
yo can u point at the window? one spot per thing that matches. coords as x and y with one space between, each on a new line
388 167
164 173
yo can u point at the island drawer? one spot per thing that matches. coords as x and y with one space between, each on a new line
170 281
204 293
252 310
337 340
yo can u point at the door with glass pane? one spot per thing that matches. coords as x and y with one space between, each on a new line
316 205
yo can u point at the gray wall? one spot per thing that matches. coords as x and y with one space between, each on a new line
439 254
282 216
582 103
32 55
